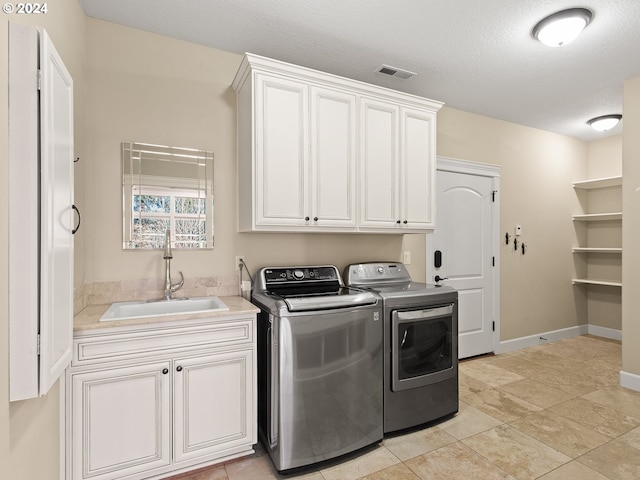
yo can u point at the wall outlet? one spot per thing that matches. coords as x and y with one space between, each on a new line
239 260
406 257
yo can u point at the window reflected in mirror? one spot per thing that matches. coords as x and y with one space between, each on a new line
166 188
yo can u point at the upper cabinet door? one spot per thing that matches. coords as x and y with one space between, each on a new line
417 169
56 215
282 151
379 164
333 158
41 217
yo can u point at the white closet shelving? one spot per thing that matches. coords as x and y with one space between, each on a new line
591 219
598 217
599 183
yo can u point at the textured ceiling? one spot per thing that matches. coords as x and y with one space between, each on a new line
474 55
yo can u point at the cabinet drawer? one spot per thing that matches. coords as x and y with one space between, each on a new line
96 349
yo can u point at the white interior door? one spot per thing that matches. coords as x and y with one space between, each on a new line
464 235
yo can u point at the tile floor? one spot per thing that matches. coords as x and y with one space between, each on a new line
551 412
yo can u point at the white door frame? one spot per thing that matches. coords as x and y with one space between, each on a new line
455 165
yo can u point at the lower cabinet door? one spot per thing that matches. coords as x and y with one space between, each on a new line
213 404
121 421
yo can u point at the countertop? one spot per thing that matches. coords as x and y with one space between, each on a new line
89 318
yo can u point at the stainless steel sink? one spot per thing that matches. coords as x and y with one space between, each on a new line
141 309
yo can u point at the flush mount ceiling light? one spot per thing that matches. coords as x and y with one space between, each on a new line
605 122
562 27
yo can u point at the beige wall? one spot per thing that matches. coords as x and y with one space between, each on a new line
631 228
4 250
604 157
29 430
538 168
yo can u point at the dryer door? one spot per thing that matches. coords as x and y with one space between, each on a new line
423 347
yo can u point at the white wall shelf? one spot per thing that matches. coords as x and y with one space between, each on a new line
599 183
596 250
597 217
589 281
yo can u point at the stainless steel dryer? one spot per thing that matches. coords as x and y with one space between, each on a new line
420 344
319 365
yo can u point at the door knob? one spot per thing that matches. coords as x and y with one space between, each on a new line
438 278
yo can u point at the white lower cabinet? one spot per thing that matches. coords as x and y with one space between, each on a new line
134 414
121 421
211 399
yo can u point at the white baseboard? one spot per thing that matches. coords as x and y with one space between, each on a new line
627 380
541 338
630 380
605 332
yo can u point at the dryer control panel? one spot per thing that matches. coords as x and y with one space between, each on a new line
376 272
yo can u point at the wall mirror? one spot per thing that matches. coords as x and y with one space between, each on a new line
166 188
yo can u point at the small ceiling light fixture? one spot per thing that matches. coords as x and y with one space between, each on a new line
605 122
562 27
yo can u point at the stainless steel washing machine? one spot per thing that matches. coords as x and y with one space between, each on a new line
319 365
420 344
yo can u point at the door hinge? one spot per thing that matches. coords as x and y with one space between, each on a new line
39 79
38 344
493 326
493 195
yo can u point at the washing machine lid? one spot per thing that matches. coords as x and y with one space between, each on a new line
344 297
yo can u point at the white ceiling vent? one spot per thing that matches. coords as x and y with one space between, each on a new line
395 72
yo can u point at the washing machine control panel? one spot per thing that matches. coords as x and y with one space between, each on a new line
301 274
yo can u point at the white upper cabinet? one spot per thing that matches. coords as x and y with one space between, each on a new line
417 175
379 164
56 215
41 219
333 158
396 167
282 151
321 153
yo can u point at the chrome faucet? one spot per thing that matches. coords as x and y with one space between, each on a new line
168 287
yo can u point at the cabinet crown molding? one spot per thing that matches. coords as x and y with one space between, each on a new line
256 63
